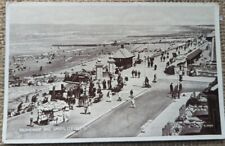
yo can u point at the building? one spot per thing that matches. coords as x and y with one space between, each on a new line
123 58
212 93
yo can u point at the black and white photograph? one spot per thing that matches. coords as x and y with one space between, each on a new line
112 72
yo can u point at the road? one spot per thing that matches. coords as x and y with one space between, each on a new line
125 121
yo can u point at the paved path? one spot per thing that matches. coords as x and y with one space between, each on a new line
126 121
154 128
18 129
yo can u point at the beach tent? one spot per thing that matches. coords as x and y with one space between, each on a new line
123 58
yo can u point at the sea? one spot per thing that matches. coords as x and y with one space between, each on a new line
30 39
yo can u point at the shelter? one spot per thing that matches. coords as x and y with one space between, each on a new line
123 58
212 45
193 55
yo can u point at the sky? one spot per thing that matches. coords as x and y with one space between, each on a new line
111 13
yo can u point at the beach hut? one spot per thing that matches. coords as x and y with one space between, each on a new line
123 58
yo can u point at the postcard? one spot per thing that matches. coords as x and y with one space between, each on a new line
112 72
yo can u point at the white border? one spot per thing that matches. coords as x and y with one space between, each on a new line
123 139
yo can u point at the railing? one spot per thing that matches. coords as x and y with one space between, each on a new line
206 73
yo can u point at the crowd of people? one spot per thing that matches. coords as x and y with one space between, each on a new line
88 92
176 90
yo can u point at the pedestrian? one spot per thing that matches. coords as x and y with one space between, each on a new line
146 84
31 119
66 114
152 63
104 84
75 90
87 107
109 84
154 79
135 73
171 88
119 97
78 91
179 89
139 74
110 76
69 97
132 99
155 67
167 64
99 90
180 75
164 58
132 73
109 96
175 92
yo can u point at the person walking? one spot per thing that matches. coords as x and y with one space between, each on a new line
152 62
180 75
179 90
132 72
104 84
175 92
66 112
146 80
31 119
139 74
132 99
108 82
78 91
154 79
136 73
171 89
149 63
87 109
155 67
109 96
119 97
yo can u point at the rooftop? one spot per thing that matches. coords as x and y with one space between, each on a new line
123 53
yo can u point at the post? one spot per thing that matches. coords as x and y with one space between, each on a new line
99 70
